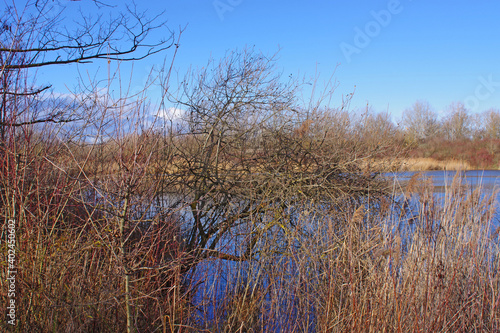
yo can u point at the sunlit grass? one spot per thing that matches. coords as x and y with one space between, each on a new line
429 164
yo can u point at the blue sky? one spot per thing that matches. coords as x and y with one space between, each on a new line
394 52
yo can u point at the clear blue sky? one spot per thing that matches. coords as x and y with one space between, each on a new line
394 52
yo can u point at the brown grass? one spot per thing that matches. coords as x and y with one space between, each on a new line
418 164
433 266
430 164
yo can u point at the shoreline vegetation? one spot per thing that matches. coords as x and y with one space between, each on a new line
428 164
441 154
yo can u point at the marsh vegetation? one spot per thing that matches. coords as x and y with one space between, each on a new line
251 210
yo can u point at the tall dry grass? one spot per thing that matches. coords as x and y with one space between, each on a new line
308 241
432 266
69 270
429 164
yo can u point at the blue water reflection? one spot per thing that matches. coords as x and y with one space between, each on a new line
488 182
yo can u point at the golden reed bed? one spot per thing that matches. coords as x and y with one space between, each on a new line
416 164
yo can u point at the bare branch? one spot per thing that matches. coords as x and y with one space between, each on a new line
45 42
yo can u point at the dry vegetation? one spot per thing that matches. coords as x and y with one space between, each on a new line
460 137
428 164
431 269
250 213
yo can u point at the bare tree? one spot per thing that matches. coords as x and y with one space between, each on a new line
491 123
376 129
420 121
457 122
248 156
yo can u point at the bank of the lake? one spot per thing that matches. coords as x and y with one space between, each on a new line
426 164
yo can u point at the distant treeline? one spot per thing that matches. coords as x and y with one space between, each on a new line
460 134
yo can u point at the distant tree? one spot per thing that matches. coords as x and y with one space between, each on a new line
457 124
477 126
376 129
491 123
420 121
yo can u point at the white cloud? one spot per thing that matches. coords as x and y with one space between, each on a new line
171 113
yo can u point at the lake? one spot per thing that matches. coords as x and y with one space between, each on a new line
486 179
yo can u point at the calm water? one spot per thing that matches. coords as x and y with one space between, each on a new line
488 180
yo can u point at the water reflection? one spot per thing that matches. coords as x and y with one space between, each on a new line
487 181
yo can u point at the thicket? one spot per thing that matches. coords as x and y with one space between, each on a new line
458 135
249 211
